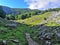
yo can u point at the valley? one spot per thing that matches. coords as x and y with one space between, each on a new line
29 27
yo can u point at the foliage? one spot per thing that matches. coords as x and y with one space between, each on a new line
15 33
2 13
35 20
28 18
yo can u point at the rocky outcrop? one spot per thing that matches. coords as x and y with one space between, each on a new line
49 34
30 41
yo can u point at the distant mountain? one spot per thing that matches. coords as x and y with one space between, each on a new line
17 11
14 11
26 10
21 10
8 10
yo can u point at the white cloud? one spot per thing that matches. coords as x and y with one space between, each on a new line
43 4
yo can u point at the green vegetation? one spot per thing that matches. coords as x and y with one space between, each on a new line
2 13
29 21
34 20
17 33
37 20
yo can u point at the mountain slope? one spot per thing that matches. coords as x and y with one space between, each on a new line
49 18
34 20
7 10
43 26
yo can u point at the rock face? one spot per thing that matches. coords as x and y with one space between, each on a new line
58 34
48 43
49 34
55 16
46 38
30 41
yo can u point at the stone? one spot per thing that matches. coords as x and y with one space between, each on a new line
15 41
4 42
58 34
11 25
46 36
48 43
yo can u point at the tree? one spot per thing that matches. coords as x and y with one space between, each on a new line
23 16
2 13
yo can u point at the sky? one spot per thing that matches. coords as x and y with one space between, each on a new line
14 3
32 4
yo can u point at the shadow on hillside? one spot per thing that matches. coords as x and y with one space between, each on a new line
44 27
46 33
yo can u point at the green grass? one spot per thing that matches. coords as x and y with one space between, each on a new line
17 33
39 19
34 20
52 23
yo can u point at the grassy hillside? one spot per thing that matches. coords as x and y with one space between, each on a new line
46 18
30 25
8 33
34 20
50 21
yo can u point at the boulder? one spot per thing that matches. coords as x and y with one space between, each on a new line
58 34
11 25
48 43
46 36
4 42
15 41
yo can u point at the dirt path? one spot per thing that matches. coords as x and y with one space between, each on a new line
30 41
